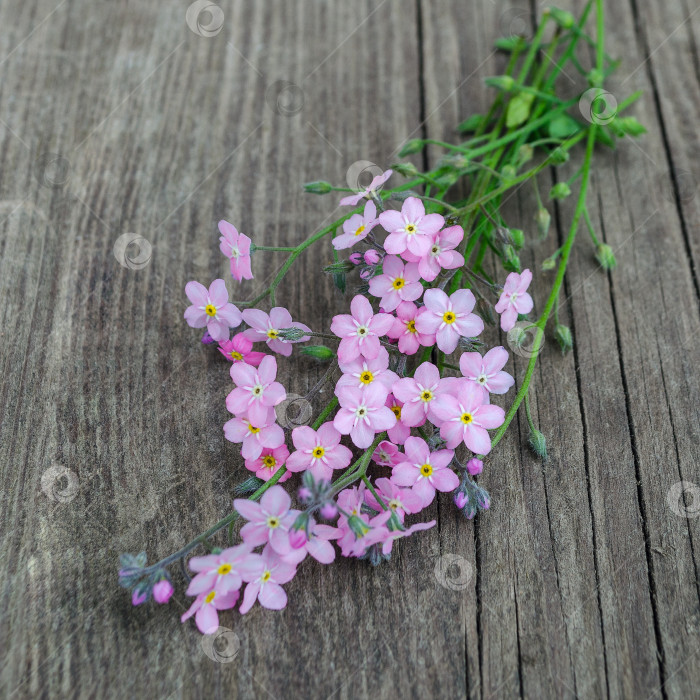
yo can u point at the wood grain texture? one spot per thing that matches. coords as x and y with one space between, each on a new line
116 118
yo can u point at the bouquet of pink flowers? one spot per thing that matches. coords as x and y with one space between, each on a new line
420 377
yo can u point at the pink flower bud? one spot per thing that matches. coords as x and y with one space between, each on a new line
207 339
304 493
365 274
475 466
297 538
162 591
461 499
356 258
138 597
371 257
329 510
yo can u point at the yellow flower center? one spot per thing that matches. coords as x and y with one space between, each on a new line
269 461
224 569
273 522
426 395
398 283
210 310
236 355
253 429
360 230
467 418
319 452
397 412
411 326
266 577
394 504
435 250
210 597
426 470
449 317
410 229
361 330
367 377
272 333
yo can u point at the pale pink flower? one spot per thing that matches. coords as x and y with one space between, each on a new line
400 431
387 454
206 606
363 413
316 542
398 534
266 588
354 541
257 392
487 371
240 349
425 471
466 418
410 229
398 500
514 299
441 254
361 372
360 332
267 327
224 572
236 247
254 438
350 501
357 227
398 282
211 308
319 451
269 462
404 328
449 317
269 520
419 393
376 183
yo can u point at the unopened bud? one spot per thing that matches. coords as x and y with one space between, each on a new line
304 494
543 218
511 261
525 154
595 78
501 82
318 352
163 591
605 256
405 169
551 262
558 156
371 257
461 499
355 258
475 466
412 146
562 335
358 526
560 191
508 173
630 126
563 18
329 510
517 236
318 187
538 443
207 339
471 123
341 266
140 594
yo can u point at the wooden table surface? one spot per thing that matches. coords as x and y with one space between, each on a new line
117 117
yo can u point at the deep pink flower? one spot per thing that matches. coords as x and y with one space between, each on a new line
387 454
398 500
224 572
253 437
419 393
410 229
266 588
267 328
357 227
487 371
466 418
398 282
363 413
355 258
319 451
360 332
376 183
205 609
514 299
475 466
400 431
240 349
211 308
163 591
236 247
449 317
425 471
269 462
398 534
257 392
361 372
404 328
269 520
441 255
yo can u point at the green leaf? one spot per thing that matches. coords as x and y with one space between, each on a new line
518 109
471 124
563 126
509 43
